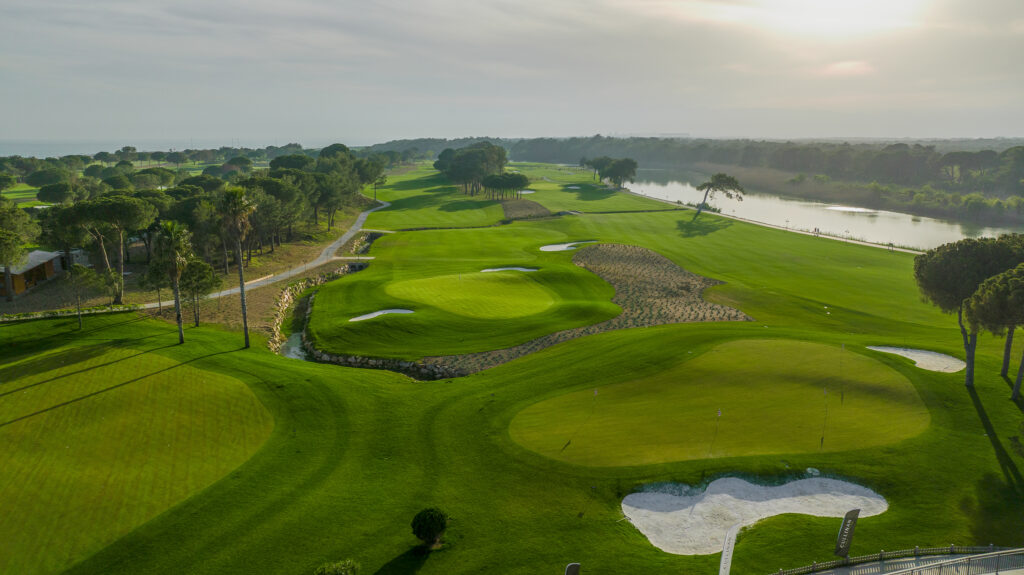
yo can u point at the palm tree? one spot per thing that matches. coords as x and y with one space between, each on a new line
235 209
718 183
172 248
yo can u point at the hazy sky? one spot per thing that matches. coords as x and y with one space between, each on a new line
258 72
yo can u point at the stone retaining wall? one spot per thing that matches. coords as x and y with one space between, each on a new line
284 301
413 369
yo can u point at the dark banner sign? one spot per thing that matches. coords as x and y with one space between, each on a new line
572 569
846 533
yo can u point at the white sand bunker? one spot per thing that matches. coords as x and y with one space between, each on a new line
685 521
527 191
509 269
564 247
572 187
381 312
930 360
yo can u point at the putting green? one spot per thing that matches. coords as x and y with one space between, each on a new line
493 295
775 397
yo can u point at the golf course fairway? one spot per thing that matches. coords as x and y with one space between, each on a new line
125 452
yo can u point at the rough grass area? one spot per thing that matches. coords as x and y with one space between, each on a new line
794 397
520 209
100 437
650 289
227 311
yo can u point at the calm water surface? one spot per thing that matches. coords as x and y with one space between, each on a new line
876 226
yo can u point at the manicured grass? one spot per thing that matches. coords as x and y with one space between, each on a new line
793 397
423 198
567 189
458 309
101 437
22 194
492 295
354 454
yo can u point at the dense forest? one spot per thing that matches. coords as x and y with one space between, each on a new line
222 205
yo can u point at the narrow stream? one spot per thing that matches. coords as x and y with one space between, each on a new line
292 347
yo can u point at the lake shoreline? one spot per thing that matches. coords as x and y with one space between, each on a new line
785 229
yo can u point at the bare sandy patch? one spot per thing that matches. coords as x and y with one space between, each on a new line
685 521
380 313
929 360
564 247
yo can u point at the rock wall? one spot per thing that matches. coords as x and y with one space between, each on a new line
287 297
413 369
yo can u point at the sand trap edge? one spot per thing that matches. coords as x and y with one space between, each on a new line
683 520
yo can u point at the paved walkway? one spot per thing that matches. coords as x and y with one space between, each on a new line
891 565
325 256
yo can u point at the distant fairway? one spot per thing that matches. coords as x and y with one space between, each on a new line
494 295
773 398
98 440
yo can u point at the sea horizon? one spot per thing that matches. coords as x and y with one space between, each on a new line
46 148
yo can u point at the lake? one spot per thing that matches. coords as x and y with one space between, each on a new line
876 226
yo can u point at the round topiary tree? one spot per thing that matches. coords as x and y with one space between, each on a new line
429 525
346 567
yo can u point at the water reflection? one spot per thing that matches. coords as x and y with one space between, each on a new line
877 226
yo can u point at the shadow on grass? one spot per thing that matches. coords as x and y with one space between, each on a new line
106 389
39 365
1010 382
1010 471
996 511
431 180
462 205
592 194
81 371
701 226
69 322
409 562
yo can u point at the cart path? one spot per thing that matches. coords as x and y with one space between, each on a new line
326 255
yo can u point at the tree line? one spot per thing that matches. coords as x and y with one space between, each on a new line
988 170
618 170
468 167
192 227
982 282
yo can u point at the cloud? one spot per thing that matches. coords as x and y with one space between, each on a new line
392 68
848 68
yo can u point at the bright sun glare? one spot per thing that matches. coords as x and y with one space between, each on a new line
828 18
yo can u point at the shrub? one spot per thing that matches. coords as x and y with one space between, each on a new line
346 567
429 525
